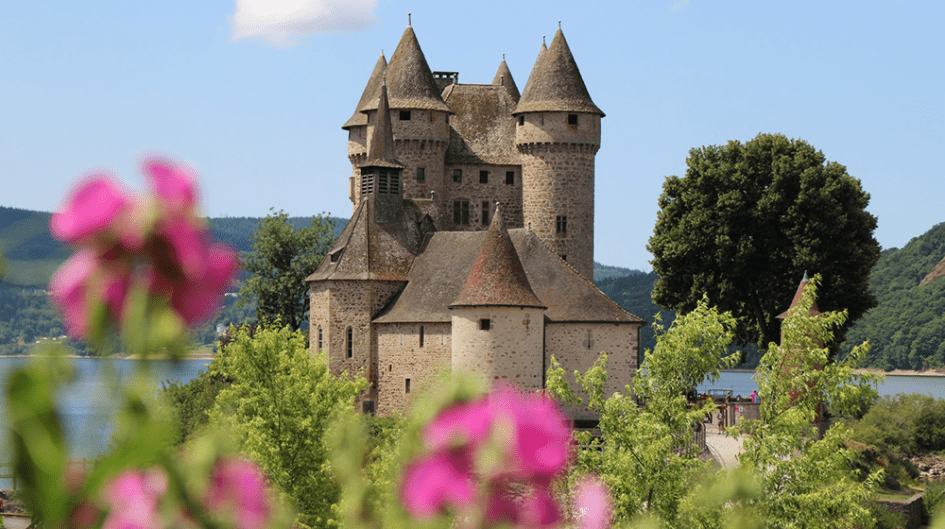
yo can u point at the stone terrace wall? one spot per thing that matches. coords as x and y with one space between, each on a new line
401 356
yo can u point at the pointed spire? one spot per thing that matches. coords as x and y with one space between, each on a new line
555 83
797 299
381 147
410 82
497 277
504 77
370 94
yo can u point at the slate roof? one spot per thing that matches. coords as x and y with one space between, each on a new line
503 77
366 249
371 92
482 130
497 278
410 82
555 84
381 147
438 276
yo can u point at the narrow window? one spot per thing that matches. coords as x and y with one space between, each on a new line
572 119
406 385
394 183
382 183
561 225
483 177
510 178
485 213
564 257
458 176
421 174
390 367
368 407
521 120
421 336
349 342
320 338
589 341
461 213
485 324
405 115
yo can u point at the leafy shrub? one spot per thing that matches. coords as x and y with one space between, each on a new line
903 425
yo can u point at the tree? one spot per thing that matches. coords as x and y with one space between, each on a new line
282 258
749 219
280 404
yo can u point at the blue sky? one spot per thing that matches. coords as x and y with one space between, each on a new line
253 95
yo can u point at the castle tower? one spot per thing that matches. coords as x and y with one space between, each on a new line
503 77
357 127
418 116
558 135
497 320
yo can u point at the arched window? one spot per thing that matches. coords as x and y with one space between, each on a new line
421 336
349 342
320 341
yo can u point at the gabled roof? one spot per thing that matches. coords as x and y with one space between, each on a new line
368 250
410 82
371 92
482 130
503 77
497 278
381 147
555 84
439 273
797 299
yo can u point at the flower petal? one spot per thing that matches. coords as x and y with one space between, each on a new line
91 209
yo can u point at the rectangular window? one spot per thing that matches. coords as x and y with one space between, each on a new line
561 225
461 212
458 175
485 324
405 115
483 177
421 174
485 213
572 119
406 385
510 178
349 345
382 183
521 120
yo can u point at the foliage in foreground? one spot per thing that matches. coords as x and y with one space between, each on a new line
279 406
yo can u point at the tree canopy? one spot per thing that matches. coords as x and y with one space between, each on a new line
749 219
282 258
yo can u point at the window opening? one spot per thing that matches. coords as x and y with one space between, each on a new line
561 225
405 115
589 341
485 213
421 174
382 183
572 119
483 177
521 120
349 338
395 184
458 175
485 324
510 178
320 338
461 213
406 385
421 336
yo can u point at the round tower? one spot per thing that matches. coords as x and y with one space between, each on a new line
557 135
357 127
497 320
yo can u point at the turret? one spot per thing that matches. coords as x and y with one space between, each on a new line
558 135
357 127
497 320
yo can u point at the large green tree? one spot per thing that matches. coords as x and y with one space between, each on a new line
282 258
749 219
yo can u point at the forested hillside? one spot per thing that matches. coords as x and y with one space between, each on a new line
907 329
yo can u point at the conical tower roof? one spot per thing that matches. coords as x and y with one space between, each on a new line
555 84
497 277
381 147
371 92
797 299
409 80
504 77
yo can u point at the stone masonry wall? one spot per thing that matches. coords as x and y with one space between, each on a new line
552 127
473 191
401 356
576 346
511 348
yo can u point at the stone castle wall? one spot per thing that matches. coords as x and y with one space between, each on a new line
552 127
576 346
473 191
402 356
511 348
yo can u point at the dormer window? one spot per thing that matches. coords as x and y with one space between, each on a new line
405 115
335 256
572 119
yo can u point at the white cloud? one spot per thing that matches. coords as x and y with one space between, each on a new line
281 21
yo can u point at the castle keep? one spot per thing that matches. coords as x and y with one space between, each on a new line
471 242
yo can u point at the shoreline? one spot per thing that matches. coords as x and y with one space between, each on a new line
940 372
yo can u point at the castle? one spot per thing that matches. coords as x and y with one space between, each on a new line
471 242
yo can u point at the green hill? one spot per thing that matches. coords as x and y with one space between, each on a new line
907 328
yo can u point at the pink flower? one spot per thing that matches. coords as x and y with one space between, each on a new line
238 489
535 509
464 423
541 444
196 301
93 207
133 498
443 479
175 186
188 247
68 287
593 505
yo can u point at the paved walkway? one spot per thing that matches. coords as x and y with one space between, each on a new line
723 448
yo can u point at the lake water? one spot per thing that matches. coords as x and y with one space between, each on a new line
742 384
